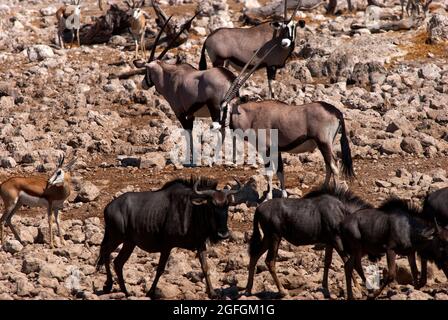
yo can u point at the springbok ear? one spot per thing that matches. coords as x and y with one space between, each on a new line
302 23
139 63
198 201
276 25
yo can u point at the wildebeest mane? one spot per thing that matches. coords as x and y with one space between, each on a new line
346 196
394 204
204 183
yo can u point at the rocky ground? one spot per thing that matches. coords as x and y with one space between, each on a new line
391 86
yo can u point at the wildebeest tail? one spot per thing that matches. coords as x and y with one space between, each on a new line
203 61
255 240
103 256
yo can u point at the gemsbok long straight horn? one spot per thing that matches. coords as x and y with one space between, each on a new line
190 92
236 45
37 192
300 128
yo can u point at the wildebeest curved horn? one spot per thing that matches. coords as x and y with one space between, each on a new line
202 192
186 26
438 229
240 186
299 3
234 90
154 46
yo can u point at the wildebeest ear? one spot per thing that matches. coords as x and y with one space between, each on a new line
139 63
198 201
276 25
302 23
428 233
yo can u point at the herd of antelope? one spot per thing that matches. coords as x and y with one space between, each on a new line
187 213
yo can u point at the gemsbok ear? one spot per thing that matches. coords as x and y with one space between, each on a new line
139 63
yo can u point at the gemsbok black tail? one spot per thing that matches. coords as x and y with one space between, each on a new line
203 61
347 163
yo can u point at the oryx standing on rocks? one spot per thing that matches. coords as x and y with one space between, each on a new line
236 45
300 128
37 192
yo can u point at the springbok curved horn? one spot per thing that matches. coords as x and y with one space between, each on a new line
154 46
229 192
203 192
299 3
69 165
186 26
240 80
61 160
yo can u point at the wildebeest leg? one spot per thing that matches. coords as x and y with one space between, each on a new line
350 6
414 270
119 262
203 259
253 263
348 268
270 263
344 258
424 273
281 176
164 255
327 264
270 72
391 272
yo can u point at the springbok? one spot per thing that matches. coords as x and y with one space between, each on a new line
138 25
36 192
300 128
69 18
190 92
236 45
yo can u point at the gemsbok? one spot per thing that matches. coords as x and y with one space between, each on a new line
236 45
300 128
37 192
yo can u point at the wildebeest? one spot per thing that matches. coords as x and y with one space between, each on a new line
236 45
310 220
183 214
396 227
435 207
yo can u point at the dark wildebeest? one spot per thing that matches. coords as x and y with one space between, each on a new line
310 220
183 214
435 207
396 227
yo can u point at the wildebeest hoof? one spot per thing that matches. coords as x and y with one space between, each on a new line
214 295
107 288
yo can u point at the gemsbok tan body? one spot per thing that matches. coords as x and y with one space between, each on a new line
36 192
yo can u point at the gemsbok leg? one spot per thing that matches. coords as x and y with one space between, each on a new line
271 72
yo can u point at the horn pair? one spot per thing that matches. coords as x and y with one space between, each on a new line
69 165
210 192
285 17
241 79
186 26
134 4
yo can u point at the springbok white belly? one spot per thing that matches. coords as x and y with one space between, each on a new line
307 146
33 201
